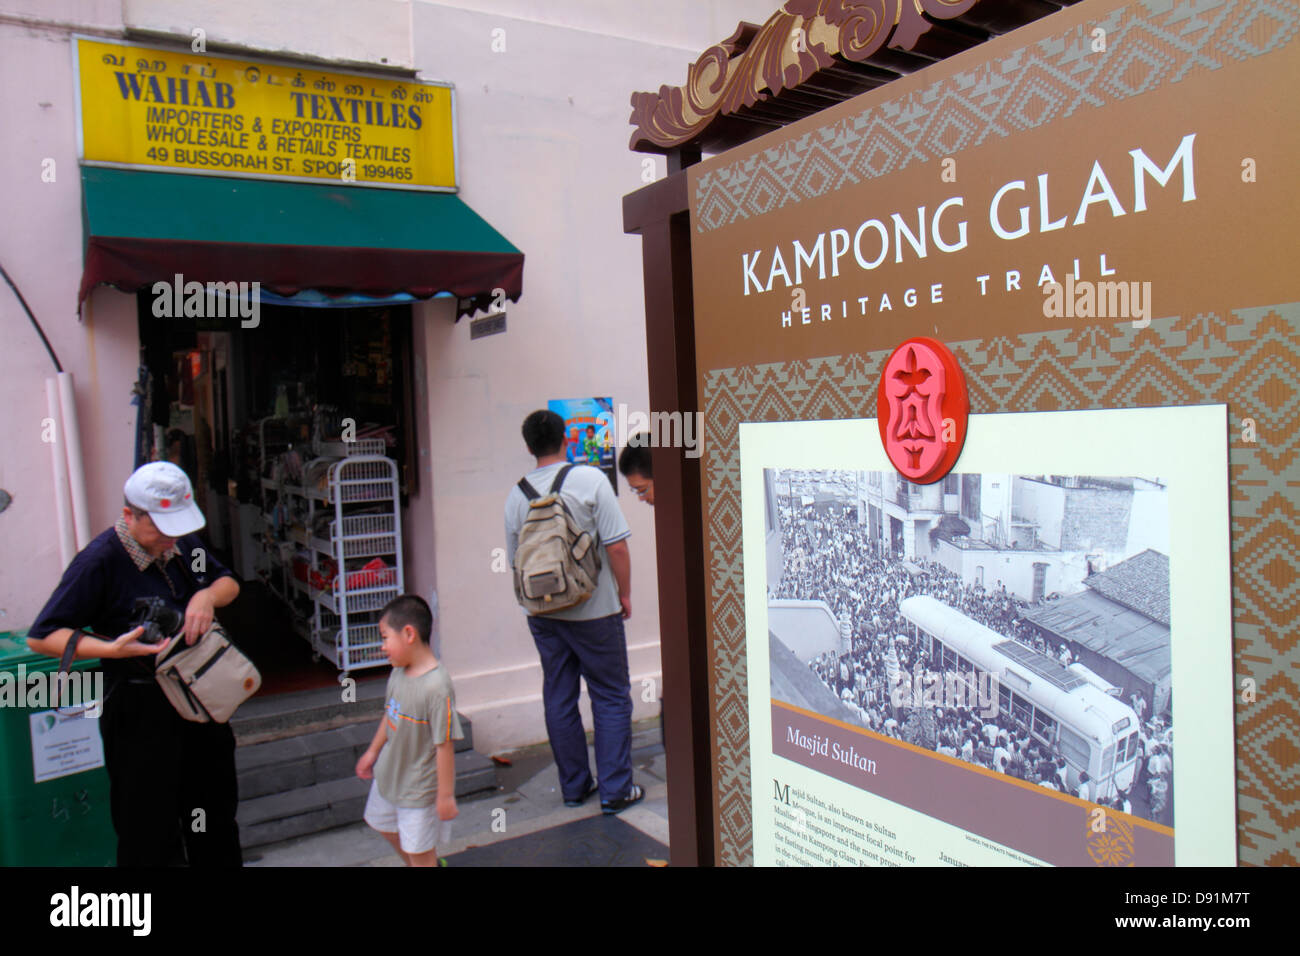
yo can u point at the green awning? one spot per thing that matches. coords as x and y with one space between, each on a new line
145 227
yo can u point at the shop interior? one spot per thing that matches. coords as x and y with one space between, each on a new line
298 437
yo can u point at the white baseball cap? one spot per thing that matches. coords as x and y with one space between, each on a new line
164 491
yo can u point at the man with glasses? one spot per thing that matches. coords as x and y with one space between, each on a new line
173 792
635 465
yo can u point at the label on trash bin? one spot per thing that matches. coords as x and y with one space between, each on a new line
64 743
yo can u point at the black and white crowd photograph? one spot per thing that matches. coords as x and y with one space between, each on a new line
1017 623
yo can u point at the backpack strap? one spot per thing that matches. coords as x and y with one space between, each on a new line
555 490
531 493
559 479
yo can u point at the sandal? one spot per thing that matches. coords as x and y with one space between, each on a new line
618 806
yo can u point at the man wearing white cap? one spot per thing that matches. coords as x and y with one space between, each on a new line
162 768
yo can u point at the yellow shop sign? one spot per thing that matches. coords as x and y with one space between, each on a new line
150 108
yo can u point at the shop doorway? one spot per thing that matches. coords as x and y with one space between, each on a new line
233 407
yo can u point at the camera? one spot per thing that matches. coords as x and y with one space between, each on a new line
159 620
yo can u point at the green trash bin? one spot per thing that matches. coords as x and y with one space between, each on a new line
53 786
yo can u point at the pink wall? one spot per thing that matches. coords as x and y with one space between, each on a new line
41 248
419 534
544 159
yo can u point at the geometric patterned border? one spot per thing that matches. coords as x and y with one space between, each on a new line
1248 359
1149 44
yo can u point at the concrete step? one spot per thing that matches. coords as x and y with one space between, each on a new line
289 763
279 717
286 714
294 813
292 763
322 805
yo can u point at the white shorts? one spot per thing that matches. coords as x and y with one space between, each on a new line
416 827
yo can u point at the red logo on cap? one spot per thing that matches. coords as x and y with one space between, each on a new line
922 410
165 502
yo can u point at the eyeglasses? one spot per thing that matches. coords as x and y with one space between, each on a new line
145 516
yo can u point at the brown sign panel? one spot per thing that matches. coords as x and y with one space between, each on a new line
1095 211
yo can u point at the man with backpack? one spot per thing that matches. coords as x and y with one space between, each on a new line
567 543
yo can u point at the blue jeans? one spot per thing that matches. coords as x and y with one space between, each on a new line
595 650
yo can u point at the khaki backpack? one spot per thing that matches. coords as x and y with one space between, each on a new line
557 563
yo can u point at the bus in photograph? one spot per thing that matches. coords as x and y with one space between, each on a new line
1058 706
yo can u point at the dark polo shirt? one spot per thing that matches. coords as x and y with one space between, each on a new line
101 584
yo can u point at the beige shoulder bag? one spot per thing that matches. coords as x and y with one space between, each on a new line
209 680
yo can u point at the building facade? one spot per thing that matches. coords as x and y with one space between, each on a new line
541 135
1032 535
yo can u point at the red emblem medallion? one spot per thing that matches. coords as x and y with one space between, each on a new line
922 410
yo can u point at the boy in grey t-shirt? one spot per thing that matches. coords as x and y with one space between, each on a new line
412 759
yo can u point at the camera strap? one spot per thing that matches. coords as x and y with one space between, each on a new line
70 648
69 651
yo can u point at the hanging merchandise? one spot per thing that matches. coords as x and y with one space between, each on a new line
185 378
142 399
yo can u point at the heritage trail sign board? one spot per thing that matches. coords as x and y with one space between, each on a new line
1093 213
